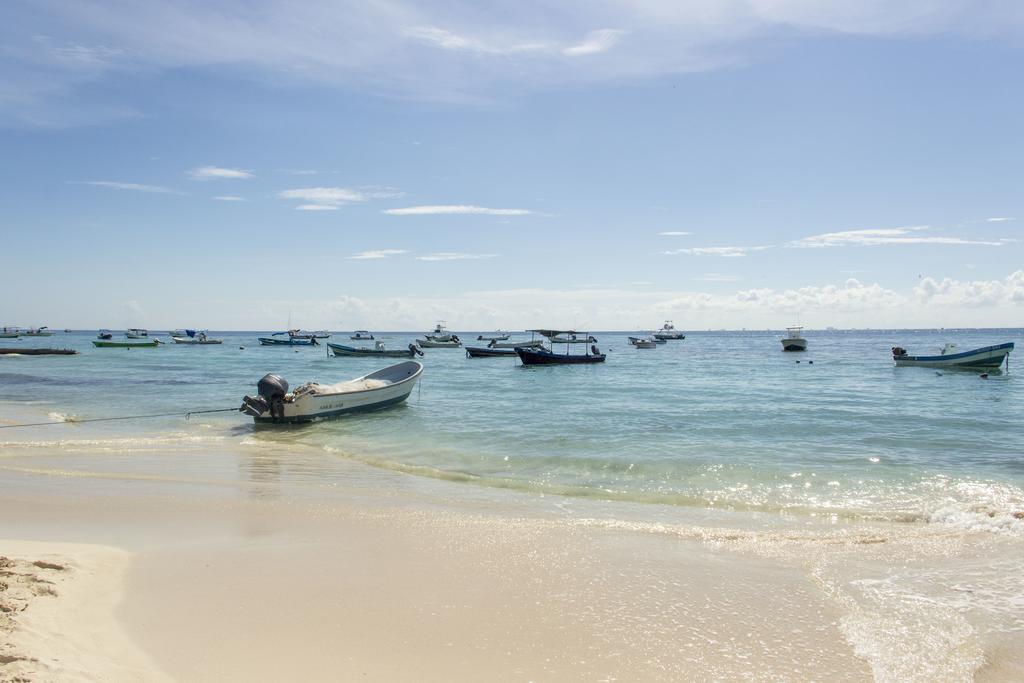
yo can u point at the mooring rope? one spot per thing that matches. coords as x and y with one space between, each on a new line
187 415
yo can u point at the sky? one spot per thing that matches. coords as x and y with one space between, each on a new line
602 165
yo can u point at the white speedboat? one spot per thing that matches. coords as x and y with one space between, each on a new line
643 342
38 332
497 335
274 404
452 342
669 331
794 339
361 335
10 333
136 333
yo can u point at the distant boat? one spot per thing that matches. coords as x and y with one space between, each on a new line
544 356
533 343
274 404
440 334
378 350
452 342
362 335
488 352
196 338
136 333
987 357
794 340
643 342
104 344
105 334
10 333
38 332
290 341
36 352
669 331
299 334
497 335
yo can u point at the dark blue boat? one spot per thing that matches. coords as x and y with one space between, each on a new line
485 352
570 338
987 357
270 341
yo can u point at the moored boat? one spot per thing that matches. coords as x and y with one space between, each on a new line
547 356
105 334
107 344
794 340
38 332
361 335
984 358
452 342
377 350
10 333
36 352
497 335
488 352
136 333
669 331
196 339
274 404
531 344
290 341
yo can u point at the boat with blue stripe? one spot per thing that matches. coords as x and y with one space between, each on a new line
984 358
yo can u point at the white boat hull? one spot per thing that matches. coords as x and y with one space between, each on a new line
196 342
310 407
794 344
435 344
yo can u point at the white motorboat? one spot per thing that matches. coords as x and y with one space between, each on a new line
794 340
643 342
274 404
38 332
497 335
669 331
440 333
361 335
136 333
452 342
10 333
532 344
197 338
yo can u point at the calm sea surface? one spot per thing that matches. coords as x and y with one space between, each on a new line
720 420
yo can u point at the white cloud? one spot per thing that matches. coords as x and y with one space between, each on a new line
727 252
455 209
378 254
447 40
675 233
1001 219
329 198
883 236
316 207
362 46
218 173
136 187
601 40
452 256
972 294
229 198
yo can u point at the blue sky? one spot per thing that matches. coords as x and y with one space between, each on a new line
383 165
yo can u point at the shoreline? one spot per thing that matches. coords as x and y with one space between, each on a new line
396 577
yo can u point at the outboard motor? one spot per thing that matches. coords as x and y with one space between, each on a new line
271 390
455 338
898 351
414 350
593 349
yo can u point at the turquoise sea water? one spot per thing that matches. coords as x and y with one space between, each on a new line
721 420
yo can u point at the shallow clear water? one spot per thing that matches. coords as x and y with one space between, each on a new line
722 419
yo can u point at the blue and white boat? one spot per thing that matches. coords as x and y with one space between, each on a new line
985 358
290 341
313 401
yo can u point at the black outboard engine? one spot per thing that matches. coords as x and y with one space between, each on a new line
272 390
593 349
455 338
414 350
898 351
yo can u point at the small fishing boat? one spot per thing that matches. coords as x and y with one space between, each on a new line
669 331
488 352
573 338
105 334
532 344
497 335
197 338
986 357
107 344
274 404
643 342
38 332
136 333
10 333
543 356
452 343
290 341
36 352
362 335
794 340
299 334
377 350
181 333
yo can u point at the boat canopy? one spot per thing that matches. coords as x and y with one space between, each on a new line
555 333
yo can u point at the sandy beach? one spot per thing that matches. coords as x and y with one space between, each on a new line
395 577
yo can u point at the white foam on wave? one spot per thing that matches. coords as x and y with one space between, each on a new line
976 506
